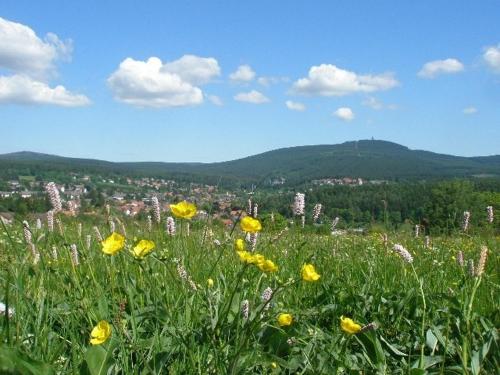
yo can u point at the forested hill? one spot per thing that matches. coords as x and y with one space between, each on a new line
367 159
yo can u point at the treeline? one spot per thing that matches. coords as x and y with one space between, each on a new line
437 206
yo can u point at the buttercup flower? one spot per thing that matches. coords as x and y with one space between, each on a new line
100 333
113 244
250 225
239 244
143 248
184 210
348 325
309 273
210 283
267 266
285 320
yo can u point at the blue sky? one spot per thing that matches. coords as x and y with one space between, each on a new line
210 80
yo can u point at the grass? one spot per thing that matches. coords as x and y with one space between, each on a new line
431 315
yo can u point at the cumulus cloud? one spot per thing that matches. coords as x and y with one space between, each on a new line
470 110
492 57
32 63
193 69
214 99
21 89
268 81
376 104
253 96
434 68
295 106
22 51
154 84
244 73
329 80
344 113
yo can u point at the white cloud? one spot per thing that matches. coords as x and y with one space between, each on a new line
376 104
22 51
268 81
470 110
193 69
492 57
21 89
253 96
295 106
244 73
214 99
329 80
432 69
154 84
344 113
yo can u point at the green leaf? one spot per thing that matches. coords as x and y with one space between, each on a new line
12 361
99 359
431 340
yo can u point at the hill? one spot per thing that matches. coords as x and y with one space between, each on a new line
367 159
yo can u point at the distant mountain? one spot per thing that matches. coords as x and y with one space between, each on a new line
367 159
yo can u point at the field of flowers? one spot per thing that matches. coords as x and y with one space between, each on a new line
174 295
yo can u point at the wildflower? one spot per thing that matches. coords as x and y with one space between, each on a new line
348 325
143 248
156 209
88 240
417 230
79 230
108 209
285 320
239 244
210 283
112 225
489 211
334 223
60 226
100 333
255 210
309 273
27 232
98 234
299 204
54 252
149 223
184 210
317 211
274 365
250 225
38 224
245 309
266 297
303 221
113 244
482 261
35 253
4 311
427 242
267 266
249 209
465 224
460 258
55 199
74 255
50 220
403 253
245 256
170 226
184 275
253 240
369 327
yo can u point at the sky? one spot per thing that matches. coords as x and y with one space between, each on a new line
219 80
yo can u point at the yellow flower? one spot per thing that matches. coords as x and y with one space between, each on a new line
285 320
348 325
245 256
274 365
309 273
143 248
210 283
267 266
100 333
251 225
256 259
184 210
113 244
239 244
